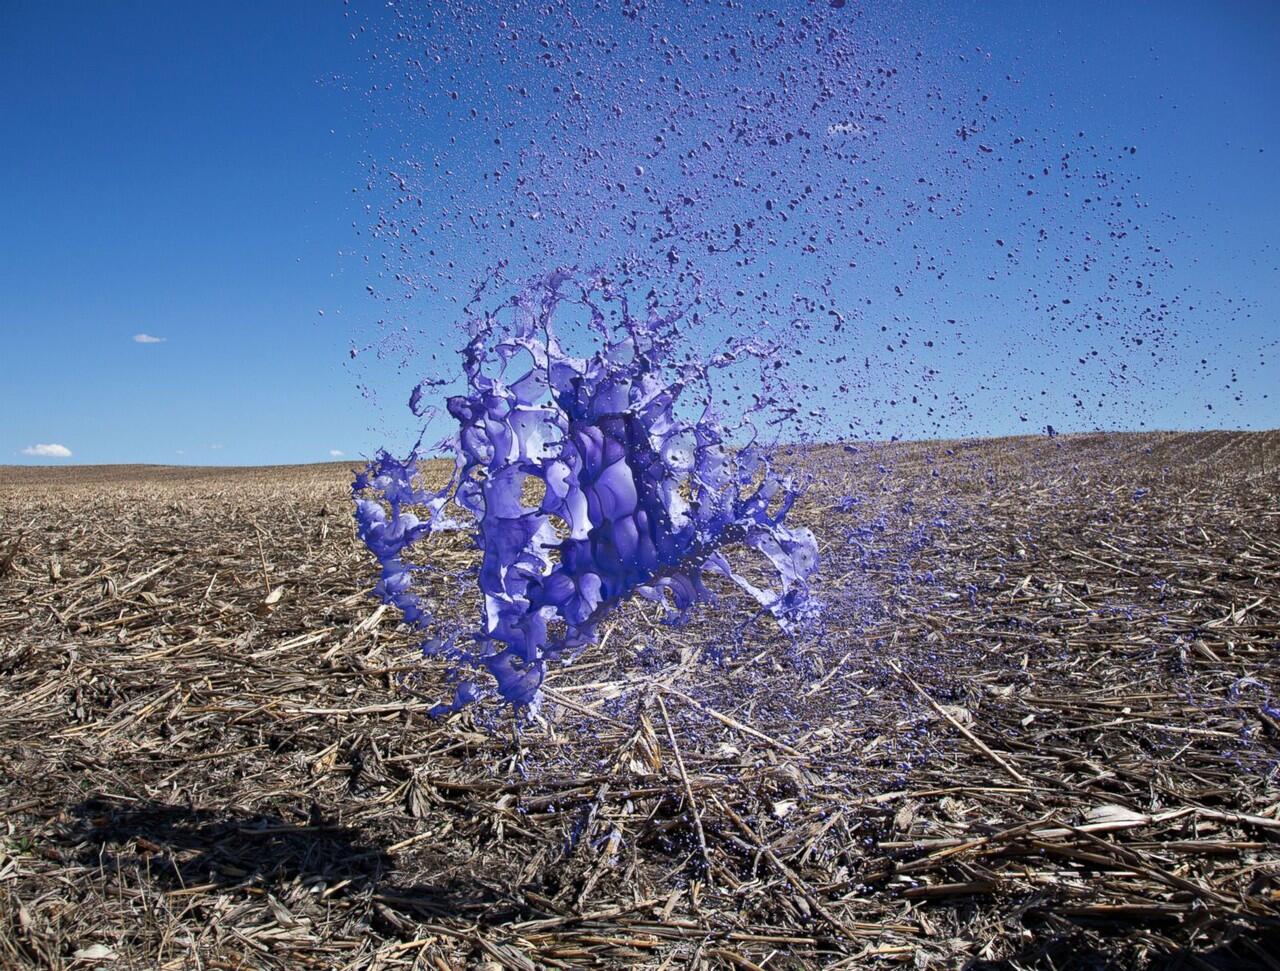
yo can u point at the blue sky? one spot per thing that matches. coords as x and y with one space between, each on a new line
193 172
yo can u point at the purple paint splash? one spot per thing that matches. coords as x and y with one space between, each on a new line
641 487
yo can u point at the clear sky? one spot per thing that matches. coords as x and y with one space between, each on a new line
180 198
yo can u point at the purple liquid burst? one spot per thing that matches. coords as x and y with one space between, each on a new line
639 488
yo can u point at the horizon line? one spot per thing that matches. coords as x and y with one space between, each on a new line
356 461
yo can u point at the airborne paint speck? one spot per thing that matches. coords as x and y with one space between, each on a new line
915 246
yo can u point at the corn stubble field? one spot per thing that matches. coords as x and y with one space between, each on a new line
1039 734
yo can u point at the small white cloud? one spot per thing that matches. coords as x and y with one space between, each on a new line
148 339
337 453
50 451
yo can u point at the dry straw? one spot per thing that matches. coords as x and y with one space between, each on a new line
215 753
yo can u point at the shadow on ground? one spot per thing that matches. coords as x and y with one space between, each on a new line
181 848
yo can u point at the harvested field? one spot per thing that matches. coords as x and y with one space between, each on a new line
1042 730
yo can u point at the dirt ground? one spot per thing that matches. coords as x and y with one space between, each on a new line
1040 728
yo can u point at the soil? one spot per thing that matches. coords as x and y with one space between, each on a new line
1038 727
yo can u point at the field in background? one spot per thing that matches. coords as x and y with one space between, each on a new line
1041 729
